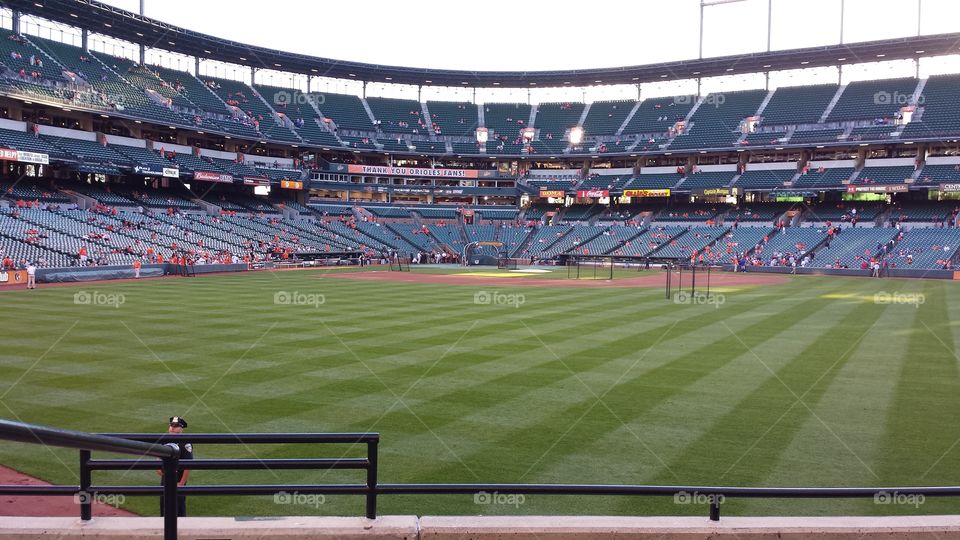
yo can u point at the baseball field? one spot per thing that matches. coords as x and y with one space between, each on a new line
508 377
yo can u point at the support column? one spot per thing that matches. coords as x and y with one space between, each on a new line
364 89
196 66
84 40
253 75
419 91
143 55
16 22
767 83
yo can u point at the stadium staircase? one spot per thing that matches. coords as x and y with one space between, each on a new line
373 119
428 120
285 122
480 119
832 104
764 103
531 121
626 121
583 115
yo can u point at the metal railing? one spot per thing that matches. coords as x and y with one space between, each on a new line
156 446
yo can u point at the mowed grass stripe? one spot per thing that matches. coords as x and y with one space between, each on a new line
854 407
516 446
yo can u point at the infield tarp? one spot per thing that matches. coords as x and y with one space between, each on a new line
96 273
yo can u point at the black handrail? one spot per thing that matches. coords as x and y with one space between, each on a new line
156 445
86 442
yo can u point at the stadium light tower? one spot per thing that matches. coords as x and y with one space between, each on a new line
708 3
576 135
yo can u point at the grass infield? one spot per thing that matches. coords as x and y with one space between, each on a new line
820 381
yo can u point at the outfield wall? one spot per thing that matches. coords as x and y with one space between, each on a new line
98 273
493 527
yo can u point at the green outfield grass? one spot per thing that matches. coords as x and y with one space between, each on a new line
808 383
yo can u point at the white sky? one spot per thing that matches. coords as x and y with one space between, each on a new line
539 35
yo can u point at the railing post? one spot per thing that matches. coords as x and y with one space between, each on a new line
170 507
715 507
372 447
86 504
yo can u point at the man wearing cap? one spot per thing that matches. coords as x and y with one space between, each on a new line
176 426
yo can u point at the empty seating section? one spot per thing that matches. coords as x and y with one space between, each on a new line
764 138
606 117
941 109
389 211
506 120
757 212
483 233
843 212
925 248
87 151
430 147
393 145
610 240
654 181
798 104
884 175
769 179
192 163
504 147
28 142
549 146
428 212
359 142
794 240
399 115
30 190
140 156
447 236
816 136
449 118
650 144
499 214
610 182
688 212
512 237
867 100
935 174
852 247
556 118
650 241
815 178
690 242
306 121
346 111
332 209
582 212
466 148
872 133
716 122
703 180
543 238
279 174
573 240
929 211
658 115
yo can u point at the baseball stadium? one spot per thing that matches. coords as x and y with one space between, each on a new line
348 271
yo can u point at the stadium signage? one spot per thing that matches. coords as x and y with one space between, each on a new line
291 184
9 154
895 188
157 170
646 193
256 181
720 192
552 193
212 177
593 193
949 188
411 171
